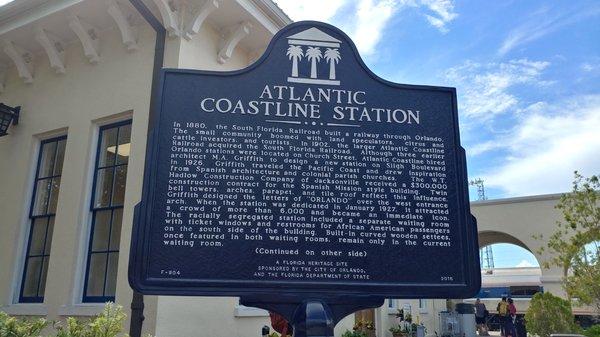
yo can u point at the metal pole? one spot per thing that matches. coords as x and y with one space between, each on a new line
159 55
313 318
137 302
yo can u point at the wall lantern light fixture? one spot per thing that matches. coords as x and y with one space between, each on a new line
8 116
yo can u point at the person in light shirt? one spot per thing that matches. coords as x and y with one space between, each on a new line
502 310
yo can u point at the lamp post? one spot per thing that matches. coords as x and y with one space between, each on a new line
8 116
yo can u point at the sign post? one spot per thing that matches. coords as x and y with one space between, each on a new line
306 185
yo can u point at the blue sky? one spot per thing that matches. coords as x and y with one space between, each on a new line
508 255
527 75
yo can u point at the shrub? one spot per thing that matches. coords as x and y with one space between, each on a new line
73 328
15 327
272 334
354 333
549 314
593 331
108 324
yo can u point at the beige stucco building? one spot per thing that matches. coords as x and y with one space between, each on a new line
78 69
71 170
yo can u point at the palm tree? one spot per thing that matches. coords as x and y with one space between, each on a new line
295 53
314 55
333 57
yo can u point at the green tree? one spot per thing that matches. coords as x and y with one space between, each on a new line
583 281
579 227
549 314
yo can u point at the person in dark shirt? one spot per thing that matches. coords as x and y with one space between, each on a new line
480 317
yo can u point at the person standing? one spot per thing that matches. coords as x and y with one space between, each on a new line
480 316
511 319
502 310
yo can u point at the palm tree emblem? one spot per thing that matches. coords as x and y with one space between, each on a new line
332 56
313 45
294 53
313 54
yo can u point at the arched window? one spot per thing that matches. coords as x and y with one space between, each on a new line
506 255
508 270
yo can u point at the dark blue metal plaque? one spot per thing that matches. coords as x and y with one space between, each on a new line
304 174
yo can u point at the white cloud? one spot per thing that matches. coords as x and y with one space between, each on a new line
484 89
547 145
542 23
588 67
311 9
367 19
525 264
444 13
372 17
480 148
364 24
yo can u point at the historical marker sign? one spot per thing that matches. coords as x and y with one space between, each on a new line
304 173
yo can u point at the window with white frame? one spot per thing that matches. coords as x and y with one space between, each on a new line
108 195
41 219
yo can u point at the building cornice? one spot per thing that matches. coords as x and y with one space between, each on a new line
30 28
274 12
23 12
515 200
